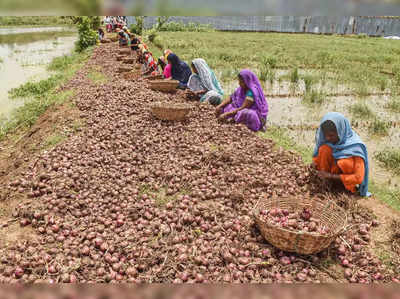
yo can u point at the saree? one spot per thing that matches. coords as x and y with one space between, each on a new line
206 80
254 117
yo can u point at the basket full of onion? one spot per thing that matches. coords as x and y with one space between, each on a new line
170 111
298 225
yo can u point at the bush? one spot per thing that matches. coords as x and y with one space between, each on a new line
138 27
87 36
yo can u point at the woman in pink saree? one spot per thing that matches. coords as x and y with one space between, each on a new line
247 105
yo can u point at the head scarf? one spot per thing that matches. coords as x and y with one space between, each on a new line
207 76
252 83
180 70
349 145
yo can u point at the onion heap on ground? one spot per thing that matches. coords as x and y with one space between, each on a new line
135 199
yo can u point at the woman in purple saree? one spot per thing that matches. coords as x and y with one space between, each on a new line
247 105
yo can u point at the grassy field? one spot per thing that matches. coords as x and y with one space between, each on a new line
362 63
34 21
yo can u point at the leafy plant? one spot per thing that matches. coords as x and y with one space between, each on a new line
138 27
267 74
308 82
87 36
379 128
270 61
314 97
294 76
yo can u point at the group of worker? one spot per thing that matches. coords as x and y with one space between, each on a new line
339 156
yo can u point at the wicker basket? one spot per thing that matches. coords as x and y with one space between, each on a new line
124 69
170 111
105 41
114 39
164 85
156 77
124 52
120 57
328 212
132 76
128 60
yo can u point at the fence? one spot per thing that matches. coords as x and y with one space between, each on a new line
372 26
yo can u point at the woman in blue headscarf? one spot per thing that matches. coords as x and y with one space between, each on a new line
340 155
180 71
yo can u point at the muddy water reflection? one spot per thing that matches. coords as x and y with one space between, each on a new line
23 57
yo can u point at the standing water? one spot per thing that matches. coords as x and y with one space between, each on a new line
24 55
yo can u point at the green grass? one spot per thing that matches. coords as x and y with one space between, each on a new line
35 21
26 38
378 128
97 77
294 76
309 81
351 61
388 195
42 95
60 63
52 141
36 88
394 104
314 98
361 110
283 140
267 74
390 158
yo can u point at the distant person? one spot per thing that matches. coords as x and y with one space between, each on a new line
100 33
180 71
123 38
150 65
165 67
247 105
135 42
108 24
203 84
340 155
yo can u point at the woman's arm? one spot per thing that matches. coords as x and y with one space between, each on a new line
246 104
357 177
220 107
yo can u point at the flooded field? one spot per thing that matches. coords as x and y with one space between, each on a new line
24 54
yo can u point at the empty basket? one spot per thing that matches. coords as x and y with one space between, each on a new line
124 69
327 212
170 111
164 85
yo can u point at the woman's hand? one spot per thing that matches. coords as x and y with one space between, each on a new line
218 110
224 116
324 175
